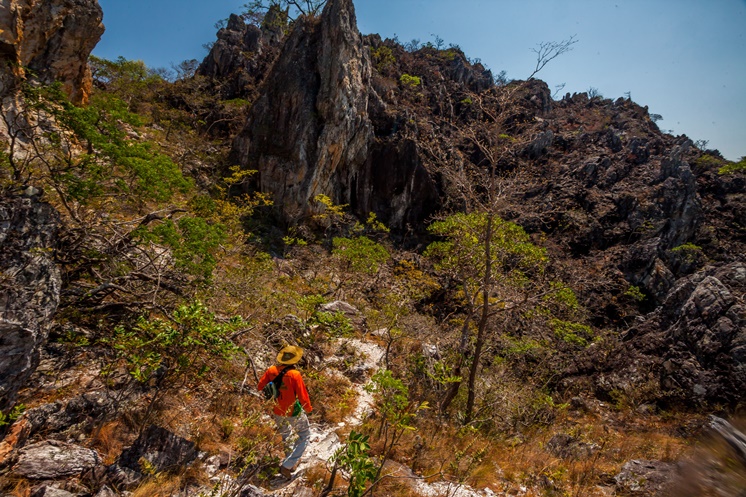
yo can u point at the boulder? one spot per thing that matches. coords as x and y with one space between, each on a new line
29 289
51 459
640 477
59 416
51 39
349 311
105 491
163 450
48 491
568 447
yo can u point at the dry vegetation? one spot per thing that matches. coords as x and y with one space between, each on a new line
419 315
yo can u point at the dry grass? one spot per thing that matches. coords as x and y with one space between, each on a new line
15 487
109 440
317 477
165 486
333 396
505 464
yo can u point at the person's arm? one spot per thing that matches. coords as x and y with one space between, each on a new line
302 394
266 378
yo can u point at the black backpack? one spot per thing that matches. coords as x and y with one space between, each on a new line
272 389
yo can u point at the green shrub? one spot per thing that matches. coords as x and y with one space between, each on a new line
383 57
409 81
635 293
184 346
734 167
360 254
353 457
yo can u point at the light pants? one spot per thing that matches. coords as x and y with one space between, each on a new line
286 425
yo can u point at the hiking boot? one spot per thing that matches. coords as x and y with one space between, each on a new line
286 472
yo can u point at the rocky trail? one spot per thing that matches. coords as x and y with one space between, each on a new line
325 441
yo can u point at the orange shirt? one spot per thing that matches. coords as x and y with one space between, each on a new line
292 388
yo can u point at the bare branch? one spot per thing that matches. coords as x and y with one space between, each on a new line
550 50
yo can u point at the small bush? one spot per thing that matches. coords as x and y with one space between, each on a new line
409 81
734 167
383 57
635 293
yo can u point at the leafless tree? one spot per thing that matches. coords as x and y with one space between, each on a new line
547 51
255 10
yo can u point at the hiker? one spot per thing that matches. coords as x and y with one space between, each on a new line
291 405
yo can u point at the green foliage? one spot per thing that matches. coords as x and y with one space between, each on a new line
396 412
360 254
707 161
689 251
564 295
449 55
687 247
383 58
331 213
185 346
467 101
353 457
193 242
409 81
334 324
10 417
734 167
130 79
114 163
573 333
520 347
442 374
462 254
635 293
393 405
375 225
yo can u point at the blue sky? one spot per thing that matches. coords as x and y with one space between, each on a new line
684 59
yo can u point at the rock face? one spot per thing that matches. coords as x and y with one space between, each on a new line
240 57
632 213
52 459
308 134
29 289
694 344
163 450
53 39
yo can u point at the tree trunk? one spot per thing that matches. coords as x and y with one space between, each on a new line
453 389
481 330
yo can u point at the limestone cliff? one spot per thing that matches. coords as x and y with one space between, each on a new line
29 289
50 39
308 133
240 58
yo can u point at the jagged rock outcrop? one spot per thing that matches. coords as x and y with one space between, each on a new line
243 52
694 344
308 133
50 39
29 289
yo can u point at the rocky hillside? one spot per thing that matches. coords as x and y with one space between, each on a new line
507 293
624 205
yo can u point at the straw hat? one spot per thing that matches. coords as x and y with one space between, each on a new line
290 355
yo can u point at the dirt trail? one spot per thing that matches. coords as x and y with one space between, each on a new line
325 442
